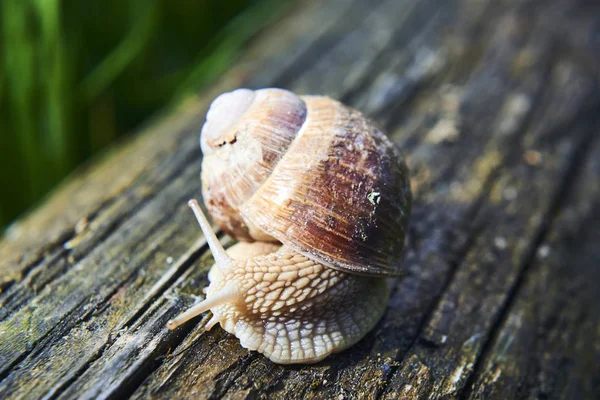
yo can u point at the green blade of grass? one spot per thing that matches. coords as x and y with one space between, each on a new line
228 43
53 86
19 62
131 46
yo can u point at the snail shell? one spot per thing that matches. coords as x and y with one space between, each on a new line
324 197
308 172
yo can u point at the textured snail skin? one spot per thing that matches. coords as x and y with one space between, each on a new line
325 198
290 308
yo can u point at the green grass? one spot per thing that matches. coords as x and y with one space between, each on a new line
75 75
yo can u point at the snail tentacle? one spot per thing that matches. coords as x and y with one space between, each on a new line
222 260
226 295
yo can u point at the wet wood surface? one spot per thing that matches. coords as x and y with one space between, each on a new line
497 106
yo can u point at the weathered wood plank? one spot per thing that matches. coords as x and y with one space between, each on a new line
302 382
122 263
548 343
475 92
474 302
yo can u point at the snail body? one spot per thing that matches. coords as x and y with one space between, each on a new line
324 198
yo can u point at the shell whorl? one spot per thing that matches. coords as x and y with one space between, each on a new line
308 172
245 135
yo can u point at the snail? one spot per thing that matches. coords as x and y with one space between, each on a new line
319 199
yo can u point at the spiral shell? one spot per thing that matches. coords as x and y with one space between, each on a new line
310 173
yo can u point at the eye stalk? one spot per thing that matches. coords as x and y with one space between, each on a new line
222 261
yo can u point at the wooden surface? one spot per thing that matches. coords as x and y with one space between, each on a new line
496 104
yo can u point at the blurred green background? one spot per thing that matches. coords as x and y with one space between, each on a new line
75 75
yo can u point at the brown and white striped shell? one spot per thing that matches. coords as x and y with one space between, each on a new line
308 172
